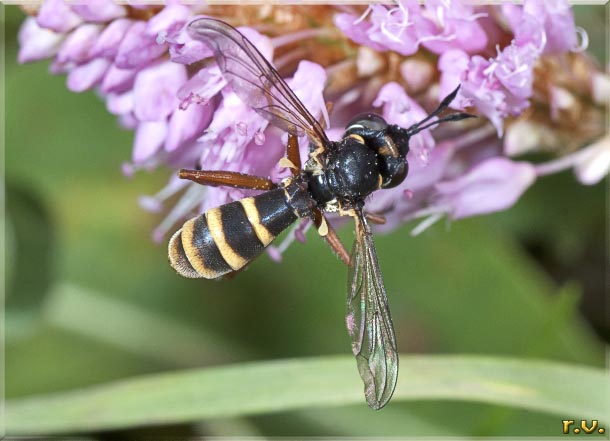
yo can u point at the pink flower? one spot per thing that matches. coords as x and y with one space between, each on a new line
76 47
493 185
137 49
446 25
497 87
37 43
357 30
162 84
187 124
404 202
593 163
590 164
184 49
148 141
453 65
99 11
117 79
87 75
57 16
308 84
107 45
548 24
385 28
202 86
439 27
514 70
231 130
171 19
120 104
165 78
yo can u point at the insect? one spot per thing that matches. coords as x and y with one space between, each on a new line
337 177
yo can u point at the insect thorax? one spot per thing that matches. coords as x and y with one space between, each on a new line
349 173
297 197
353 170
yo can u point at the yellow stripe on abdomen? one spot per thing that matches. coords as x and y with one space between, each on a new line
196 252
263 234
214 218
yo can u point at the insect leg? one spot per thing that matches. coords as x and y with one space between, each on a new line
293 154
227 178
375 218
331 237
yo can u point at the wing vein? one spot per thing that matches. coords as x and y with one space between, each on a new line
255 80
369 322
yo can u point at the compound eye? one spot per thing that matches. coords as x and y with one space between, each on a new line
393 172
370 121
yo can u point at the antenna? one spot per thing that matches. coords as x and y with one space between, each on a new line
442 106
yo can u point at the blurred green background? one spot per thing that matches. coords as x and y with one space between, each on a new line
90 297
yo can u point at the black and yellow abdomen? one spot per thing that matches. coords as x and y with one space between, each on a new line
226 238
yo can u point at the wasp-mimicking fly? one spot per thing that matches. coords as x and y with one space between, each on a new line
337 177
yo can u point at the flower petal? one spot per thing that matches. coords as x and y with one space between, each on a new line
36 43
120 104
183 49
99 11
225 146
79 42
109 40
357 30
155 90
118 80
148 140
493 185
202 86
186 125
137 49
308 84
453 65
171 18
396 28
57 16
87 75
556 20
594 162
450 25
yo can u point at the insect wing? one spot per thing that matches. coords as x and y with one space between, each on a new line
254 80
368 320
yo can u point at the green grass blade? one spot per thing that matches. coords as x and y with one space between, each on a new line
107 319
568 391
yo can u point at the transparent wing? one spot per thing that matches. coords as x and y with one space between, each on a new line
368 320
254 80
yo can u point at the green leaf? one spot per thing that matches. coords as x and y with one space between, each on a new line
113 321
29 252
32 253
568 391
